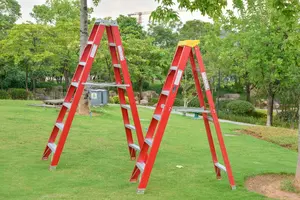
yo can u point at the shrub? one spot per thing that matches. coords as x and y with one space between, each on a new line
153 101
111 100
178 102
223 104
240 107
4 94
194 102
18 93
116 99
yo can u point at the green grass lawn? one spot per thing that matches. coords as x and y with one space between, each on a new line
95 163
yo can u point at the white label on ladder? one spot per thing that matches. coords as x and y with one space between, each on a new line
121 55
205 81
94 51
178 77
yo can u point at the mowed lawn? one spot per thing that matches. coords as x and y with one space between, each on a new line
95 163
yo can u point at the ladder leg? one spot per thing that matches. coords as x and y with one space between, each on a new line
205 117
215 119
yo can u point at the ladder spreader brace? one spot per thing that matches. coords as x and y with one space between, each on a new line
185 50
64 119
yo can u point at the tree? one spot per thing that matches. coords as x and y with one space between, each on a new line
61 14
83 107
9 14
28 45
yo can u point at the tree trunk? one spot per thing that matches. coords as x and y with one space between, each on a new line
248 91
83 108
26 78
270 108
67 80
297 177
140 89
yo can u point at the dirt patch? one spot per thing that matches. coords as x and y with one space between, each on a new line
270 185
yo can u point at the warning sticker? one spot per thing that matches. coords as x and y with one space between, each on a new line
121 55
94 95
205 81
93 52
178 77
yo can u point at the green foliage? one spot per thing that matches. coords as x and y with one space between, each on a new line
18 93
10 12
4 94
178 102
240 107
116 100
152 101
241 118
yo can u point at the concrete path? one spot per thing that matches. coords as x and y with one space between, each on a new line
200 117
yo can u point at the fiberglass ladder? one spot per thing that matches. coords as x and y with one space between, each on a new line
64 119
147 156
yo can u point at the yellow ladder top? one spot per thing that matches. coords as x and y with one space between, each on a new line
189 43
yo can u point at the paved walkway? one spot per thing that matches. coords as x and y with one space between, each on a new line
200 117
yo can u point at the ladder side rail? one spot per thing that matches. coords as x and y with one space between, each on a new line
70 92
135 115
161 103
121 92
215 118
205 115
164 119
159 108
78 93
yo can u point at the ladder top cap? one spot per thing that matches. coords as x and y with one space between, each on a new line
189 43
106 22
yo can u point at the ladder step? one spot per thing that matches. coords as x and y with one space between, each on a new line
68 105
220 166
117 65
60 126
191 110
149 141
123 86
75 84
126 106
141 166
157 117
134 146
173 68
90 42
112 44
165 92
82 63
130 126
52 146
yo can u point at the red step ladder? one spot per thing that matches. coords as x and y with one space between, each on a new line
186 50
64 119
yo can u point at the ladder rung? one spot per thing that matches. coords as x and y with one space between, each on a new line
117 65
90 42
75 84
82 63
191 110
165 92
123 86
112 44
141 166
60 126
173 68
52 146
68 105
126 106
130 126
149 141
157 117
220 166
134 146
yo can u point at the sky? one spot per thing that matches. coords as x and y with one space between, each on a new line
112 8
